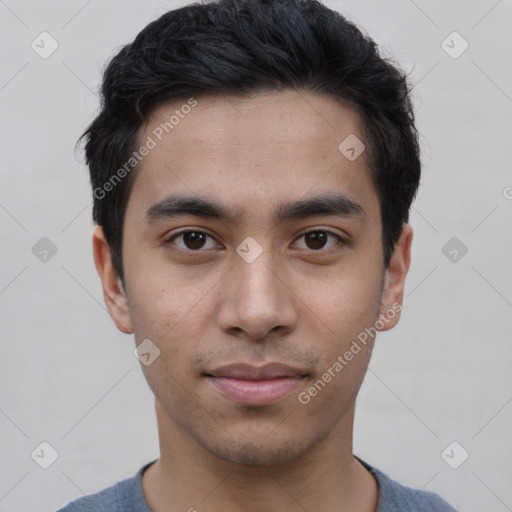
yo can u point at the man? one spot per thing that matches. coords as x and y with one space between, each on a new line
253 166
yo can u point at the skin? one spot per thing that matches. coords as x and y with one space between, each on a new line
298 303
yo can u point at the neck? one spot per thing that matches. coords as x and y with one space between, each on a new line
326 478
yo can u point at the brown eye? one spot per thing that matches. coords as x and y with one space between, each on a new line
319 239
193 240
316 240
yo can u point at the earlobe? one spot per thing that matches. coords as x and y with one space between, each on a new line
394 280
113 291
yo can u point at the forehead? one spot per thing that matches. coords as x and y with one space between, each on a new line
252 150
307 120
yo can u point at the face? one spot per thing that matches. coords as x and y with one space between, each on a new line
253 261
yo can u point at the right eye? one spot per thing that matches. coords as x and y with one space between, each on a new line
193 240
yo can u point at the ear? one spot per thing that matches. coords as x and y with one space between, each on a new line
113 292
394 281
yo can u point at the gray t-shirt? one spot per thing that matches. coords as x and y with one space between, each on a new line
127 496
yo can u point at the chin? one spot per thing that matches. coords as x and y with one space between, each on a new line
253 454
265 451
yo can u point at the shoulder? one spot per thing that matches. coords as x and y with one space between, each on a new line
395 497
105 500
124 496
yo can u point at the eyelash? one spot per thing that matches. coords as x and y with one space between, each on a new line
339 242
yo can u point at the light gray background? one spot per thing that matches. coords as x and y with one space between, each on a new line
69 378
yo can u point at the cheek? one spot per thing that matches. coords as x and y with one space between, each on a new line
174 311
345 301
168 301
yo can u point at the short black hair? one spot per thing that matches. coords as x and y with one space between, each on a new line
241 47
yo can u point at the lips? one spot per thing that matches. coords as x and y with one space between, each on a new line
250 385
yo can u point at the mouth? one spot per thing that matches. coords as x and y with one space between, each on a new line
249 385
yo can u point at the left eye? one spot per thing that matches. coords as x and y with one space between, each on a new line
319 239
194 240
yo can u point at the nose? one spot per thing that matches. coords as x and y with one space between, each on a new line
257 301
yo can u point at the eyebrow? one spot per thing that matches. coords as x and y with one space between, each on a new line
324 205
